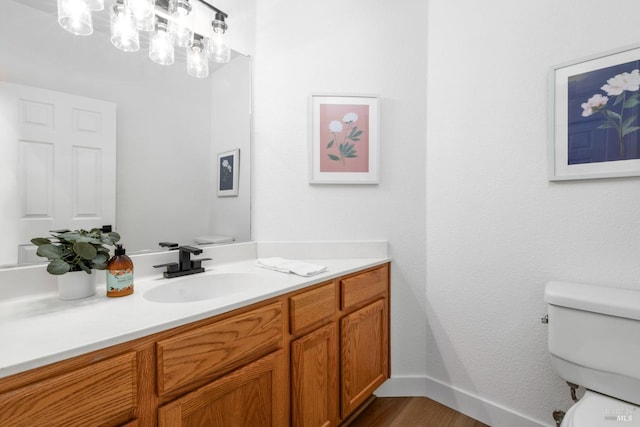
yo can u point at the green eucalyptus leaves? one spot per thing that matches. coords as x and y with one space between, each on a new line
78 250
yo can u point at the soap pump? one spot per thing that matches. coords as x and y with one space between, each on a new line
119 274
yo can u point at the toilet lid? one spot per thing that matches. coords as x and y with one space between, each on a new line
598 410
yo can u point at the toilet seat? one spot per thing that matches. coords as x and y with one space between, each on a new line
598 410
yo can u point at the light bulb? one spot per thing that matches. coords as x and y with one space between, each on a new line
181 24
161 48
197 63
124 34
75 17
217 50
144 13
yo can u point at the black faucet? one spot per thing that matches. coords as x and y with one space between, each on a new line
186 265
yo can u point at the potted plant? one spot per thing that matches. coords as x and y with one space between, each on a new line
76 251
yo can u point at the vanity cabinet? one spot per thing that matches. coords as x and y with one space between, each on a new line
307 358
336 367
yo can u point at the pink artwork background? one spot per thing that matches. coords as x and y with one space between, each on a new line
331 112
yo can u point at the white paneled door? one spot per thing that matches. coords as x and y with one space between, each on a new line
57 166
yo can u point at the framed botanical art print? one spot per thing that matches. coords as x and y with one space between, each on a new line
228 168
344 141
594 117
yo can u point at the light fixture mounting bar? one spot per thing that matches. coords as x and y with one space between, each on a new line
212 7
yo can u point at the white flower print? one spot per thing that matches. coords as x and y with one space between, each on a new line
596 102
335 126
625 81
350 118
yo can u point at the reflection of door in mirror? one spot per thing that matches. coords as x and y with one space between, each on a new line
58 163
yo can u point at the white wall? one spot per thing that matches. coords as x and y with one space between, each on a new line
465 326
497 230
360 46
231 129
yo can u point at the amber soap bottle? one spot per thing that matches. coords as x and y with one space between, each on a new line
119 274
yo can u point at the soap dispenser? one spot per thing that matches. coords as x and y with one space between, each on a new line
119 274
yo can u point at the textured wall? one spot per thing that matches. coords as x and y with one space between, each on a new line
359 46
497 230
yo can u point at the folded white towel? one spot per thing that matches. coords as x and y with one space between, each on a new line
290 266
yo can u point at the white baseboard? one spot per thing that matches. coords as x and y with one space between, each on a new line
469 404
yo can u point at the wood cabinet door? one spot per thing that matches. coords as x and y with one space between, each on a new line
254 395
364 340
314 378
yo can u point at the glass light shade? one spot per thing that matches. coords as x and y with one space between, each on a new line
144 13
124 34
161 49
197 63
95 5
75 17
181 24
217 49
148 23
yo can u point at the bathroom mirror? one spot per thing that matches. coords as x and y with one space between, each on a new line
170 127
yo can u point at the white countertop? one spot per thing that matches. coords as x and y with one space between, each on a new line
38 329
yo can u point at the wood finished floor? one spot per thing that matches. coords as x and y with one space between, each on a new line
411 412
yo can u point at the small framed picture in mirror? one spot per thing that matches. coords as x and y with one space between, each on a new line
228 168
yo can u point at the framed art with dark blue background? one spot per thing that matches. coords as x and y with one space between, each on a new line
594 117
228 168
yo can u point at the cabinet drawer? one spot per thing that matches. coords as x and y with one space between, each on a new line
104 393
210 350
361 288
312 307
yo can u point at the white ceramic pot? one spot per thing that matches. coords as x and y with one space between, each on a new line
76 285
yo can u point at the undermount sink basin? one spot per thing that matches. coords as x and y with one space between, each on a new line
201 287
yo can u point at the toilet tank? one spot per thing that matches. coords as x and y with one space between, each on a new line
594 337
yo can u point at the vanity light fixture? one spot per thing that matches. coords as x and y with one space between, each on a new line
182 19
144 13
217 49
161 48
197 63
170 23
75 17
124 33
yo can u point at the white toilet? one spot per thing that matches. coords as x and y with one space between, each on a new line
594 341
